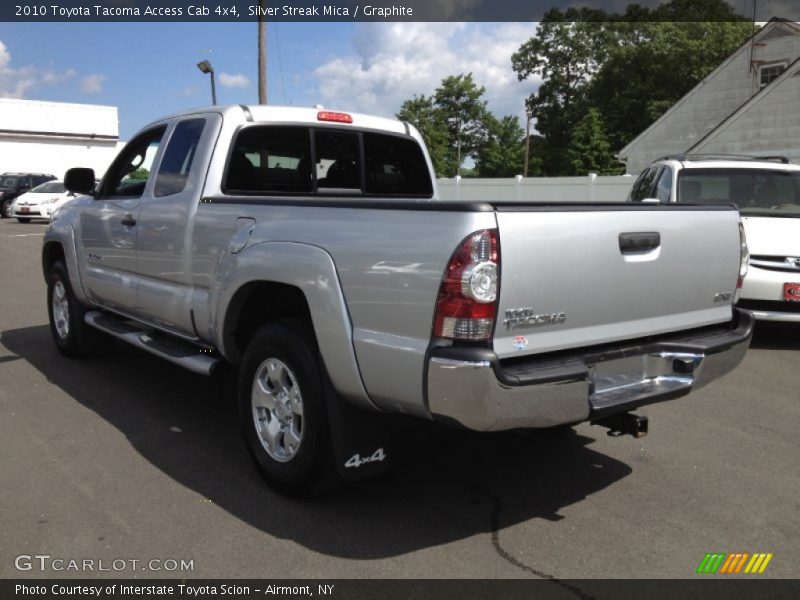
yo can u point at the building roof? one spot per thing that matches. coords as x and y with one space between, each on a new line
38 119
768 30
792 70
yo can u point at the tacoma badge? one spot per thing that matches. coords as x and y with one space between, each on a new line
516 318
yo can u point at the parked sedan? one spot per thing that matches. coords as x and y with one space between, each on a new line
40 202
13 185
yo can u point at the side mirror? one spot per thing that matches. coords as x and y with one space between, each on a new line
79 180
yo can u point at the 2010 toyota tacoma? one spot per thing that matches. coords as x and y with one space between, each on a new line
309 248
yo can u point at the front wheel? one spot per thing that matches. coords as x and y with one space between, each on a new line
21 220
282 409
73 337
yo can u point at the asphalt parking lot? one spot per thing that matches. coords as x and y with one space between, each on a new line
126 456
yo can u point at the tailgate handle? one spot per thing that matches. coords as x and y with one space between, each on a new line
639 241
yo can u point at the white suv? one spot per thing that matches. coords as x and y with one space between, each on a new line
767 192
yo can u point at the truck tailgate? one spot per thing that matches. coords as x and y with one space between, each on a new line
581 275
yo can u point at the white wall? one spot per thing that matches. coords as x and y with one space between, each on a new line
34 116
589 188
51 137
55 157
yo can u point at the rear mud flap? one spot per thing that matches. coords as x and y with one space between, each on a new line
360 439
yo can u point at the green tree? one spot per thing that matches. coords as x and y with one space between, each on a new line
452 122
630 67
589 150
504 151
459 102
653 65
422 113
565 52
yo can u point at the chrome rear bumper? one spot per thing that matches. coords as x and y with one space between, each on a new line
473 388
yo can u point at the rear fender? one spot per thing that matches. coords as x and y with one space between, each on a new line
311 270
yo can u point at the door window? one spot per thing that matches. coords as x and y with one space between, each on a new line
128 174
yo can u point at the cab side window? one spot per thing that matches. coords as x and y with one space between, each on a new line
128 174
173 173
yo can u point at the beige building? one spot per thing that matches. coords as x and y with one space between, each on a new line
750 104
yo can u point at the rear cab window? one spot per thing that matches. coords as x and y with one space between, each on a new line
395 166
303 160
270 160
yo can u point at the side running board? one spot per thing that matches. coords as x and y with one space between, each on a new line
189 356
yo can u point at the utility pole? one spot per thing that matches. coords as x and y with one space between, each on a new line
262 54
527 143
458 145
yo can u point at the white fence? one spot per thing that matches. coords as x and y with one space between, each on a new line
589 188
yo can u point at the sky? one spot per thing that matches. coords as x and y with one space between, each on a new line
148 70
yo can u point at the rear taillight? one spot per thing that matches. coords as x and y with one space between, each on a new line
467 304
744 260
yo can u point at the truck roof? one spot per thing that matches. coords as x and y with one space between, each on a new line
296 114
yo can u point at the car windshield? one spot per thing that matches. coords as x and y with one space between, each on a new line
8 182
51 187
760 192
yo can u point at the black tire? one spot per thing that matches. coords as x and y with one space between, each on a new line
78 339
310 470
5 211
21 220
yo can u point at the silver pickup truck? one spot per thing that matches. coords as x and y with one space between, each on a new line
309 248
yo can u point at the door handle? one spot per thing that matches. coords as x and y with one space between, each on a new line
128 221
639 241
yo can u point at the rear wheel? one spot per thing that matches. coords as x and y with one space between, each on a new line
282 409
21 220
6 209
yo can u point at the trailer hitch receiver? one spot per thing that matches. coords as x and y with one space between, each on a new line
624 424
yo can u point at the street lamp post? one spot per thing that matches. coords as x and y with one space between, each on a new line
206 67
